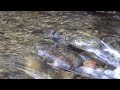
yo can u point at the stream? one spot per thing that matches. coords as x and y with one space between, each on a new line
59 45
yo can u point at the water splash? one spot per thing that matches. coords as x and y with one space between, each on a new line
112 51
117 73
99 73
107 54
94 73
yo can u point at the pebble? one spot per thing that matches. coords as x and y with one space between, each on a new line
90 63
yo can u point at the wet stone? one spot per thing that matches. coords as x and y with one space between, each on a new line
63 54
85 42
22 31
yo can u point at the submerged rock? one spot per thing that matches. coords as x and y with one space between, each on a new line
61 57
40 70
85 42
105 52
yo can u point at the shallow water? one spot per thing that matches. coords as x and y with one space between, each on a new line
22 31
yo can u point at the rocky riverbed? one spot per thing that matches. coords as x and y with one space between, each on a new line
23 33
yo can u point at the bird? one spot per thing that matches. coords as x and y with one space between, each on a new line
56 37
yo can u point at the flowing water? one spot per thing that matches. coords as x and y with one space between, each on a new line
36 44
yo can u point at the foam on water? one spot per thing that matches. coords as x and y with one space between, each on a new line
112 51
95 73
108 54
